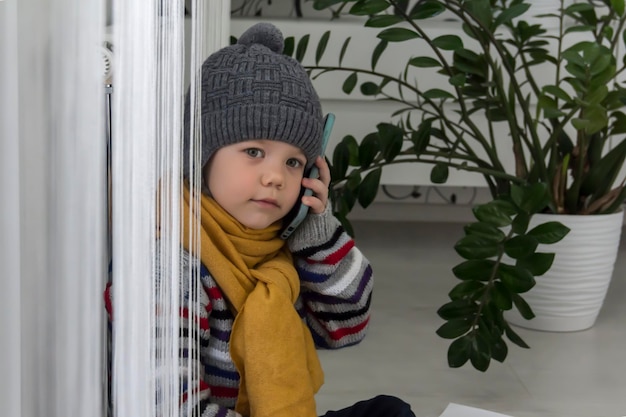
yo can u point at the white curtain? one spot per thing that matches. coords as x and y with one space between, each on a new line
52 211
10 320
53 201
153 61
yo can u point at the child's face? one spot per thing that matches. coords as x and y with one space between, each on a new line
257 181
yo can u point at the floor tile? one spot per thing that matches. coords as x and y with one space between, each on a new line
578 374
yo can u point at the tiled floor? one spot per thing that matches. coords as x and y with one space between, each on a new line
580 374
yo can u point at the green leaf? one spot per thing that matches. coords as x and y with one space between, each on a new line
601 67
350 83
391 138
369 187
383 20
369 88
530 199
459 352
439 173
469 62
454 328
596 118
368 149
289 46
481 11
550 107
341 158
466 289
537 263
380 48
426 9
475 269
515 338
520 223
521 246
368 7
457 309
480 353
354 181
346 224
448 42
597 95
501 296
424 62
499 350
397 34
578 8
353 148
549 232
619 124
457 80
493 213
437 93
348 192
518 280
421 137
505 206
510 13
485 231
618 6
344 48
345 198
602 175
557 92
303 44
321 47
473 247
522 306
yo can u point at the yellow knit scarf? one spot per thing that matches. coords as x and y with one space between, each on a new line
270 345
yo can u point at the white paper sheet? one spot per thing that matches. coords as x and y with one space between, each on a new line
458 410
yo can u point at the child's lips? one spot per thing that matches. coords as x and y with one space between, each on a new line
267 202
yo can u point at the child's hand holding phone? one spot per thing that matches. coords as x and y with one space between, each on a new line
312 183
319 186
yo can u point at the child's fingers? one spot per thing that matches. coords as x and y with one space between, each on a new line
324 169
315 204
318 187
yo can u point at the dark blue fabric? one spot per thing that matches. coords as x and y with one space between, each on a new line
380 406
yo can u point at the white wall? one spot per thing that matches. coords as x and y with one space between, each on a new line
10 381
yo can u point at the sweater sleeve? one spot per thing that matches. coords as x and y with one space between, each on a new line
336 281
195 373
195 345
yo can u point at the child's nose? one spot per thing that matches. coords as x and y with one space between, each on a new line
273 176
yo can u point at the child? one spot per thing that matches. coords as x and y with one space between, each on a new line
264 303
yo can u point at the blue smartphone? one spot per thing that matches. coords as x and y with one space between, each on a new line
299 211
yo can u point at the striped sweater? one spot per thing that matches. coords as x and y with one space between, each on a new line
336 287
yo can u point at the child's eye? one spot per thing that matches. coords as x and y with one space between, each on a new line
254 152
294 163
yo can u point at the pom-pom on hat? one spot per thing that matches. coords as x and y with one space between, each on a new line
250 90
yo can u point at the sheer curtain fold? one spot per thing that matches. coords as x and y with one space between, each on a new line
10 391
156 51
53 224
53 216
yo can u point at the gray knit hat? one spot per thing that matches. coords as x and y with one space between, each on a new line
250 90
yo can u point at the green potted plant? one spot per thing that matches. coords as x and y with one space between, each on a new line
547 89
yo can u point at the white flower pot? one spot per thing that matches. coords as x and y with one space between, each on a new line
570 295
